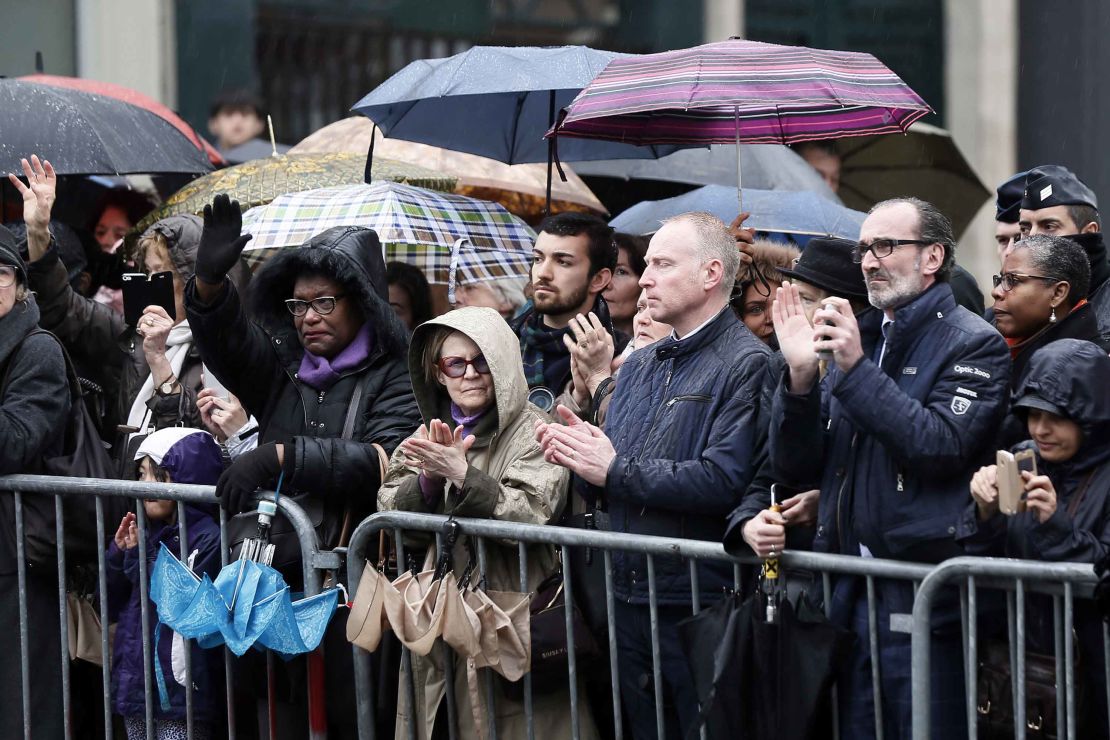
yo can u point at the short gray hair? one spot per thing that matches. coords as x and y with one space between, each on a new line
932 226
509 290
1059 258
713 241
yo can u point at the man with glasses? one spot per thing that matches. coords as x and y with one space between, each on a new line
905 415
321 363
1057 203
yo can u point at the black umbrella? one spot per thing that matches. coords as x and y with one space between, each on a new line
762 681
85 134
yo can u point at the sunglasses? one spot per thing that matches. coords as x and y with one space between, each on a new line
455 367
323 305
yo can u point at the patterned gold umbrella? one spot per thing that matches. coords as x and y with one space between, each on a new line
259 181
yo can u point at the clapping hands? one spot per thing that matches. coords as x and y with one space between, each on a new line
439 453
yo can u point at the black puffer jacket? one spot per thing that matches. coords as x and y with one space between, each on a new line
259 360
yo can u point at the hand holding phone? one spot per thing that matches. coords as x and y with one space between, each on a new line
1011 486
139 291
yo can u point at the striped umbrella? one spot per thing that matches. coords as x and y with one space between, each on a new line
741 91
447 236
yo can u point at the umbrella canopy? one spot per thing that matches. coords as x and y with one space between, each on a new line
925 163
741 91
259 181
440 233
771 210
519 187
495 102
86 134
239 611
134 97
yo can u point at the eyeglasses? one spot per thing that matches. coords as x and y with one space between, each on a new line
7 276
1010 280
455 367
882 248
323 305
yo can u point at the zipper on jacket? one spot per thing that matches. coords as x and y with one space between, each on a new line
667 405
320 397
901 483
840 496
691 397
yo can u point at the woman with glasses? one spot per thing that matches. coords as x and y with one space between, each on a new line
321 366
475 455
756 284
34 404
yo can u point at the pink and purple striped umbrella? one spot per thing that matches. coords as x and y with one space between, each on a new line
741 91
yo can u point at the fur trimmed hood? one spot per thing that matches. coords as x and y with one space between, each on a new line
348 254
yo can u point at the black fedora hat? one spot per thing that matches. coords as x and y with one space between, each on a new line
826 263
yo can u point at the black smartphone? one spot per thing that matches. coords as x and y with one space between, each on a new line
139 291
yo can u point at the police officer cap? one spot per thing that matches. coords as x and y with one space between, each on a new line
1007 202
1053 185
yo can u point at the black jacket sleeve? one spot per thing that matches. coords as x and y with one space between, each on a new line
796 440
86 326
34 404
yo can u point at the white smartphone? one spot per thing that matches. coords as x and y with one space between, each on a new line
212 382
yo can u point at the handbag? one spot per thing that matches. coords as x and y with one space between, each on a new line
82 456
550 664
994 693
331 531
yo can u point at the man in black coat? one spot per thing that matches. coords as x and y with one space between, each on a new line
321 366
686 434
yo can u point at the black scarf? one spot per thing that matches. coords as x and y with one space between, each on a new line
1096 254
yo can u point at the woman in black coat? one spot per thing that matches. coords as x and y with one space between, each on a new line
323 368
34 404
1065 403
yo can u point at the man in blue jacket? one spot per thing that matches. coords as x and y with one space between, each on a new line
688 422
891 436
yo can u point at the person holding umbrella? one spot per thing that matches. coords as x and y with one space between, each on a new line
321 365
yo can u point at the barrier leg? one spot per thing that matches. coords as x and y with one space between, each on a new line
24 636
656 657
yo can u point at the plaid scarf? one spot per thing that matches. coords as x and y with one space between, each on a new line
545 357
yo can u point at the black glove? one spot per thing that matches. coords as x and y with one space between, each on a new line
220 242
251 471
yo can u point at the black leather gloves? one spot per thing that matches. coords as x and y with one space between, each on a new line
220 242
251 471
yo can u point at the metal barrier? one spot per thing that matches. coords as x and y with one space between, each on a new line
39 485
1063 581
606 543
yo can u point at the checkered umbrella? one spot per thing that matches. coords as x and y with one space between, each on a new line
449 237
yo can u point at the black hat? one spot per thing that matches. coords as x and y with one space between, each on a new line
1007 202
826 263
1054 185
9 255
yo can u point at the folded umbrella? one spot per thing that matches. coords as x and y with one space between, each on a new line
367 621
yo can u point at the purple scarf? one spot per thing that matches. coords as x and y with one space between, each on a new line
321 374
468 423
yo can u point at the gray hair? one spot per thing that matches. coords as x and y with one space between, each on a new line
1059 258
932 226
509 290
713 241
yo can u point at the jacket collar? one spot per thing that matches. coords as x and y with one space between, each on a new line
670 348
1079 324
909 320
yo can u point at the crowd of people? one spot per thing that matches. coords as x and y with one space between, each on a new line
667 382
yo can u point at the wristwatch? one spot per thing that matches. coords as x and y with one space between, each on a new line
166 388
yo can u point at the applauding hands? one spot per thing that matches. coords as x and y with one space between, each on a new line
439 453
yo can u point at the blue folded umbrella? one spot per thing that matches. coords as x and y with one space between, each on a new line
264 613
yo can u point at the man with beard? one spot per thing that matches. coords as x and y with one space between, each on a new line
1057 203
893 432
572 263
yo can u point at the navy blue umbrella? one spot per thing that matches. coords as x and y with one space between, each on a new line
495 102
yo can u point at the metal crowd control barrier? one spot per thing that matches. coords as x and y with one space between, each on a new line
40 485
606 543
1063 581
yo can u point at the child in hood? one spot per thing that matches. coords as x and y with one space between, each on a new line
171 455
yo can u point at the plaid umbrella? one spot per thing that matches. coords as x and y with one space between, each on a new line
741 91
261 180
440 233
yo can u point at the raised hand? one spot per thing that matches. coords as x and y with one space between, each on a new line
838 332
221 242
38 200
795 336
127 535
592 348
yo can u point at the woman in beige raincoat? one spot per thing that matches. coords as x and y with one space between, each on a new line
475 456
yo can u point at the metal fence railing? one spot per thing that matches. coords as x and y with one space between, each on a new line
22 486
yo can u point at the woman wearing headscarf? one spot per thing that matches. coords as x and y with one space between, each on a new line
34 404
1066 513
475 455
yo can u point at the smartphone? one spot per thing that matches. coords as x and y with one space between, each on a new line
1011 488
211 381
140 291
826 354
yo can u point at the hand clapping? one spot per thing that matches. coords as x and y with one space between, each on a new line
439 453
